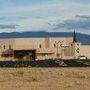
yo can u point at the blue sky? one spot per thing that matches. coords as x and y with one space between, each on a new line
49 15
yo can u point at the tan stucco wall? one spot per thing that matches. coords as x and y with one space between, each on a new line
85 51
29 43
6 43
47 46
35 42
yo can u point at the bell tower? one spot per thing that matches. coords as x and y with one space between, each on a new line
76 46
74 37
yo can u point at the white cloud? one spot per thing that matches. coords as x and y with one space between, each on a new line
40 17
63 8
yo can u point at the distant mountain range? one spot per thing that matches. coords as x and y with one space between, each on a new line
83 38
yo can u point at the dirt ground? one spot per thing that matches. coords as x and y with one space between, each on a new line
45 78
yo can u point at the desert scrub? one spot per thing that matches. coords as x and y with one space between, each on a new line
82 76
34 79
19 73
79 75
31 79
59 62
69 85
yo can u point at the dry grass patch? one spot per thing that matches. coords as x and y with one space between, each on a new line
20 73
45 78
31 79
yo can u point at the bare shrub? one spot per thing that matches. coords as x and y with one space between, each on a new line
19 73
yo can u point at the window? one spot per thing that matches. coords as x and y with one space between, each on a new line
4 47
40 46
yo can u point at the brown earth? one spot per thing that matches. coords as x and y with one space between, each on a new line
45 78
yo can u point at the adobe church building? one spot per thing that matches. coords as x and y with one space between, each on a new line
42 48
